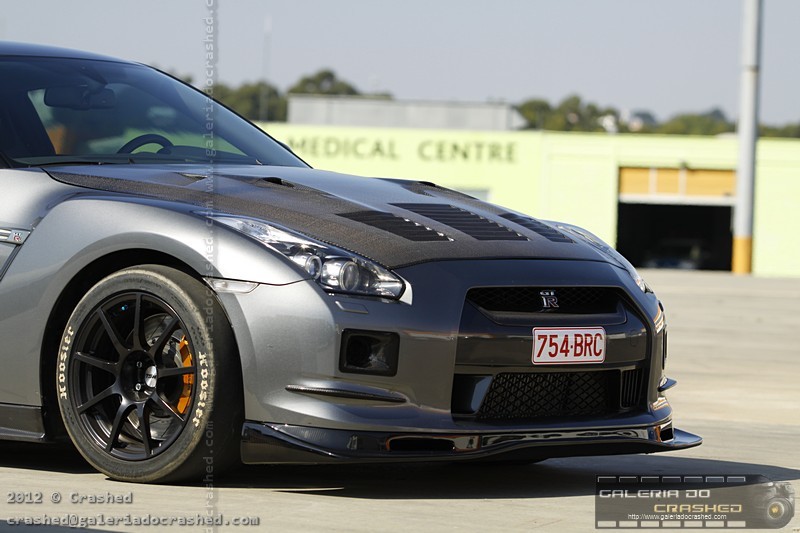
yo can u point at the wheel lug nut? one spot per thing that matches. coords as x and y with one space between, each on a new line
138 386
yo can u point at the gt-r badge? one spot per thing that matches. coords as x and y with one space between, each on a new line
549 299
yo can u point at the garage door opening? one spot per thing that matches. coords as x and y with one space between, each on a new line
694 237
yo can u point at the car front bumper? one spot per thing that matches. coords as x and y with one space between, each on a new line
301 407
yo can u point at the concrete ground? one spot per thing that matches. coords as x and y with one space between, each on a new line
734 349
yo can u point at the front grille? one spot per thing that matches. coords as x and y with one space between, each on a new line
525 396
574 300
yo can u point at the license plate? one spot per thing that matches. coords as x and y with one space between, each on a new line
558 346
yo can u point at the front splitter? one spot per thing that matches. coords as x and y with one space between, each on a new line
287 444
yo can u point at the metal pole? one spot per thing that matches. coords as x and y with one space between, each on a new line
263 100
748 133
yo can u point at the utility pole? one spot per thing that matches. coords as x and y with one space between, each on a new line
748 134
263 100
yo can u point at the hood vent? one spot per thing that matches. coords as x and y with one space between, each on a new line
266 182
417 187
424 188
401 227
193 176
276 183
464 221
539 227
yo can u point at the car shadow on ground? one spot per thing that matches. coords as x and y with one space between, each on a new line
59 457
553 478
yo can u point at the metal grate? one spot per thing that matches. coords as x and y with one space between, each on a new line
402 227
538 395
539 227
573 300
465 221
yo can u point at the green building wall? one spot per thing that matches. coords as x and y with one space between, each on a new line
572 177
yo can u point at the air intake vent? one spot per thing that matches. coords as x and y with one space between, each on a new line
539 227
399 226
464 221
631 388
530 396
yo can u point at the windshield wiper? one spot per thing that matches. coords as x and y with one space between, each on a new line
129 161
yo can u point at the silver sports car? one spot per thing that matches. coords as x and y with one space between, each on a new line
180 293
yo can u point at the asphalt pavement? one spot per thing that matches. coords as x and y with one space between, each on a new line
734 350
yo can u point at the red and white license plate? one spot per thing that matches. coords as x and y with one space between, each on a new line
558 346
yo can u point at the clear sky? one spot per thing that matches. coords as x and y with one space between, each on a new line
663 56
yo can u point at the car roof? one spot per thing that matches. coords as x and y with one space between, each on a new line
14 49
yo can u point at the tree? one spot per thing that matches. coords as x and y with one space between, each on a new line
254 101
712 122
535 112
571 114
788 130
263 101
323 82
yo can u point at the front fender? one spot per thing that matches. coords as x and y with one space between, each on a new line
83 229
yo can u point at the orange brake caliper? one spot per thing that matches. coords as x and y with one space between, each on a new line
188 379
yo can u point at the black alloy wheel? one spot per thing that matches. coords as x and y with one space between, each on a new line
139 377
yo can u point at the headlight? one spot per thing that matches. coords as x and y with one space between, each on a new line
608 251
334 269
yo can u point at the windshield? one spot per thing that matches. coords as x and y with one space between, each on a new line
62 111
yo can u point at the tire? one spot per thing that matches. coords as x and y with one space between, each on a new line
149 380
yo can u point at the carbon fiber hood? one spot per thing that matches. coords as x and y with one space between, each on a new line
391 221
